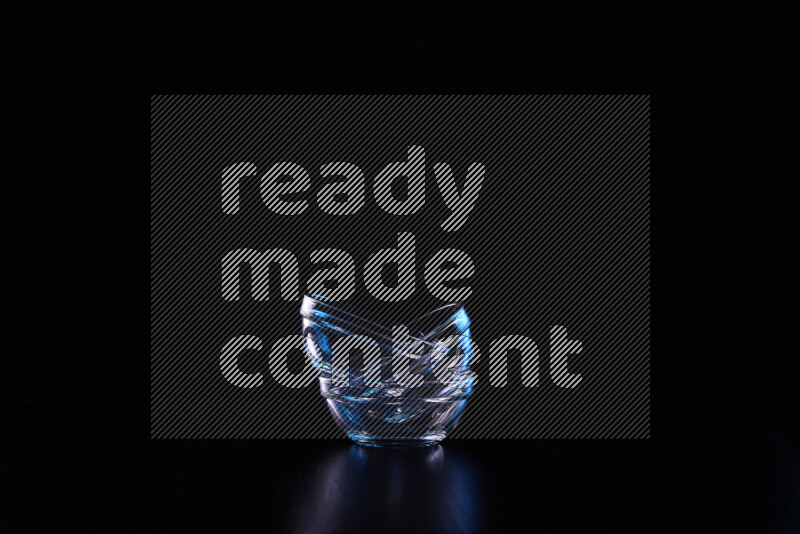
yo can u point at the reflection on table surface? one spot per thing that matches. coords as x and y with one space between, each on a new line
361 489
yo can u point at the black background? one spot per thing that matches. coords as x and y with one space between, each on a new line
75 424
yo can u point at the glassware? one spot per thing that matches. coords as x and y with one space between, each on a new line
391 386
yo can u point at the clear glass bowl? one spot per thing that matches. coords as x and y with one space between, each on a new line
388 386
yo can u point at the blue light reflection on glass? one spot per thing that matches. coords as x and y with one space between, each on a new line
413 407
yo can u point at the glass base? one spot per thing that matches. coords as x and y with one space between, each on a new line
396 443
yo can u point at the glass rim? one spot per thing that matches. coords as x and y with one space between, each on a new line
382 331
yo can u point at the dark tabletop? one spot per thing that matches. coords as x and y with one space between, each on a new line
92 464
